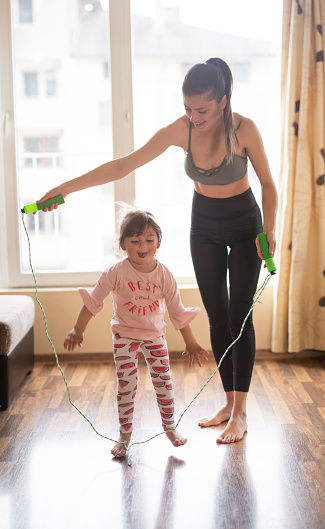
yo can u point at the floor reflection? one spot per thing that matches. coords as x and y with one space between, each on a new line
235 497
166 511
141 484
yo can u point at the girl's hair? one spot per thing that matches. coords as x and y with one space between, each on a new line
214 76
135 222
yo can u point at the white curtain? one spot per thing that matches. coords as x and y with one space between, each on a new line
299 308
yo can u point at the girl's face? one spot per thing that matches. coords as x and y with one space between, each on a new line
205 113
141 249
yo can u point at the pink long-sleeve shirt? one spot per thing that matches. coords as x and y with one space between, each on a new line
139 300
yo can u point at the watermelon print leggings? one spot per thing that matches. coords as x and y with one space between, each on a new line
156 356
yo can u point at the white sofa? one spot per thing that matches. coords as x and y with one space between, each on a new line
17 313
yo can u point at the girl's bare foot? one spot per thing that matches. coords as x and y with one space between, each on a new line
119 450
176 438
235 429
221 416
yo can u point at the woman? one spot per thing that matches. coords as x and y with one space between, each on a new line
224 215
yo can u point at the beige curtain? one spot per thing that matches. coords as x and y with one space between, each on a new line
299 308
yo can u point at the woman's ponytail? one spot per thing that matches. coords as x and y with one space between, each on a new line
227 113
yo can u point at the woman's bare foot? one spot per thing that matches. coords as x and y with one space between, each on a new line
176 438
221 416
235 429
119 450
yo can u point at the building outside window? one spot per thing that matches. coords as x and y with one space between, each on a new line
41 151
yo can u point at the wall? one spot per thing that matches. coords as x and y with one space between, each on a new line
62 307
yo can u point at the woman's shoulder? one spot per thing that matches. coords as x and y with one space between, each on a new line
244 128
178 131
243 124
182 123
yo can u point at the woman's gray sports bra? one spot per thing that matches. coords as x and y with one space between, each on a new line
217 176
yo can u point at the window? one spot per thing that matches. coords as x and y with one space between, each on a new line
43 223
51 88
106 69
168 38
104 113
25 11
40 84
33 146
31 84
72 96
64 37
241 71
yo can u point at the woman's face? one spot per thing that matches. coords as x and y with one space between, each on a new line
204 112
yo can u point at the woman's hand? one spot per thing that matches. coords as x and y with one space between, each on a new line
50 194
195 352
75 337
270 235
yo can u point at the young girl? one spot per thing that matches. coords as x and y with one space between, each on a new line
139 285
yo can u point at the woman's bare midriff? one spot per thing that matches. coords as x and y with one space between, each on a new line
230 190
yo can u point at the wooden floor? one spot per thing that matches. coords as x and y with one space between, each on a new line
55 472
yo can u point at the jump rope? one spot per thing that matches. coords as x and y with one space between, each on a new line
264 246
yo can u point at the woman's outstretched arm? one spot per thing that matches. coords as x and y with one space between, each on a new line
116 169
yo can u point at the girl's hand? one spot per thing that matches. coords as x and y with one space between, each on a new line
270 235
50 194
75 337
195 352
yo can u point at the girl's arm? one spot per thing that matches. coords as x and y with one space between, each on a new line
116 169
255 150
192 348
93 304
76 335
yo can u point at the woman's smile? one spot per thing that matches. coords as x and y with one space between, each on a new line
200 124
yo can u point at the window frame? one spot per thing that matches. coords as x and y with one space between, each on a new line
120 75
122 116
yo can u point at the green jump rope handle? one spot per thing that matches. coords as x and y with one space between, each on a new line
264 245
31 208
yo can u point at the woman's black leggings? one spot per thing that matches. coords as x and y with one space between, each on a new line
219 224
